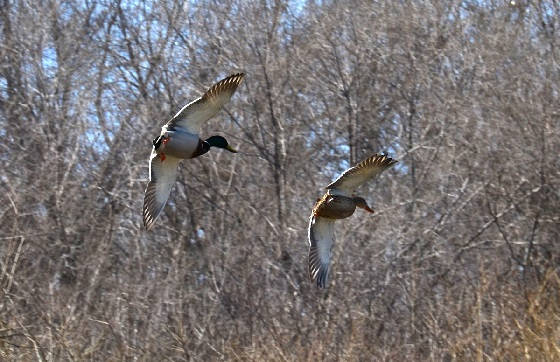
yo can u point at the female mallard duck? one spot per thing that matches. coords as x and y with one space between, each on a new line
338 203
179 140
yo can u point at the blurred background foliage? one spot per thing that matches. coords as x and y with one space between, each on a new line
460 261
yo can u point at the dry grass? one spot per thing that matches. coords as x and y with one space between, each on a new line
509 324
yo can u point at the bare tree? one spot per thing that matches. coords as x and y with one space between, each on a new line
459 262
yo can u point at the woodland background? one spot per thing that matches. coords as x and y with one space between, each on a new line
460 261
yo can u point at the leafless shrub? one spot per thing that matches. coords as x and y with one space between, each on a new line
460 261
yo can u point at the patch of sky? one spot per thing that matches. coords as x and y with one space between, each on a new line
392 147
41 210
66 10
49 62
339 159
290 19
95 139
3 88
297 7
311 138
201 278
550 10
345 150
93 136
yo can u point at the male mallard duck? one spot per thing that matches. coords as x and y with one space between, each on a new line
338 203
179 140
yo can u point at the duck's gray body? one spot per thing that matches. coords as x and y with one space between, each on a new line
180 144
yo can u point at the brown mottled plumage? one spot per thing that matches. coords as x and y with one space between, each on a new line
338 203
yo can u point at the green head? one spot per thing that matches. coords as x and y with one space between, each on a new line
220 142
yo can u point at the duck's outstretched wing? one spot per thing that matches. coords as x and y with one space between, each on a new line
321 240
162 177
364 171
193 115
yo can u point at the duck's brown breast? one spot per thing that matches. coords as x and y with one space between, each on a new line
334 207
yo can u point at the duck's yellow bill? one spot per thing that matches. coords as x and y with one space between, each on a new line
231 149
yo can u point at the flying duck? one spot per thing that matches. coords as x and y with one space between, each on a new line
339 202
179 140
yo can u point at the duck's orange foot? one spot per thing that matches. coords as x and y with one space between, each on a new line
165 140
162 156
